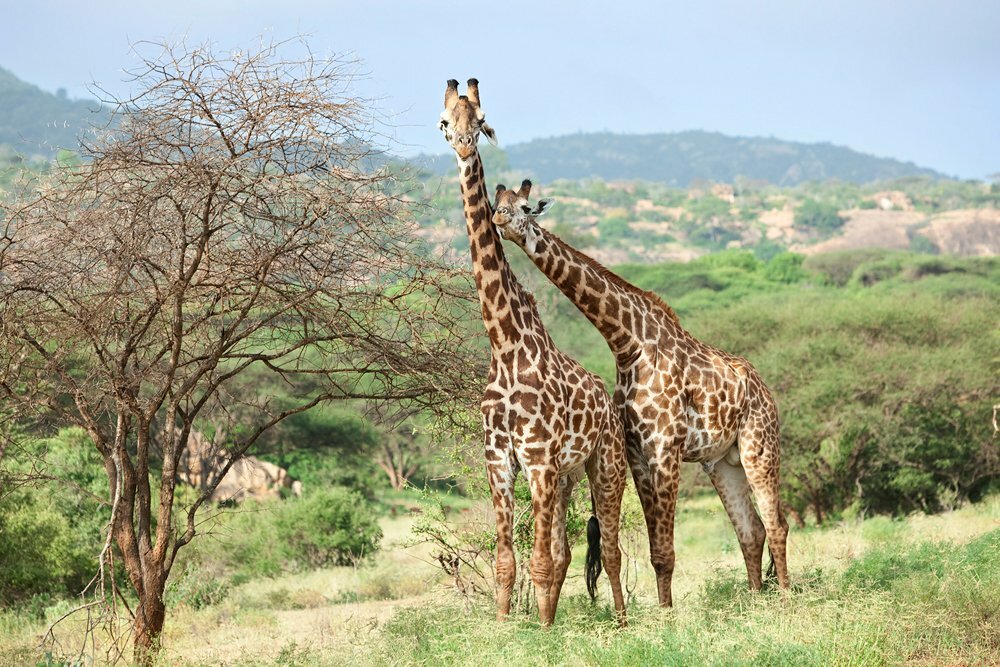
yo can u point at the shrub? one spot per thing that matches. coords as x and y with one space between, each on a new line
824 217
329 527
192 587
785 268
36 549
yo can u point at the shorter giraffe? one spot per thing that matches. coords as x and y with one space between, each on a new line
680 399
542 412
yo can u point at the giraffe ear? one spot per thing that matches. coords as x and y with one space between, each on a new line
490 134
543 207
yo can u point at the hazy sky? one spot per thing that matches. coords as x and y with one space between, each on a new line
917 80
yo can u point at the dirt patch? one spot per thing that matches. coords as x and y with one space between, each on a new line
869 229
967 232
778 223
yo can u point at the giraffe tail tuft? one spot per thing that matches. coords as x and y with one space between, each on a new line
592 566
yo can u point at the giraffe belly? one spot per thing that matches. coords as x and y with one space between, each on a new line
574 453
705 443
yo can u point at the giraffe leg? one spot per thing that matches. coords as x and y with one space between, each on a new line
560 541
542 480
642 475
665 475
761 460
607 484
731 483
501 473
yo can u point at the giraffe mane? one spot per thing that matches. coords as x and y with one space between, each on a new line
615 279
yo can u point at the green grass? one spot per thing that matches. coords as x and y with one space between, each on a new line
924 589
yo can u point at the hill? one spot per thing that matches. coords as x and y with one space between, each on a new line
36 123
681 159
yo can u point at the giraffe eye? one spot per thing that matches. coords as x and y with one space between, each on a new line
526 209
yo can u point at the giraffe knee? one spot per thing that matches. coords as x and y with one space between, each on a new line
663 563
541 574
505 570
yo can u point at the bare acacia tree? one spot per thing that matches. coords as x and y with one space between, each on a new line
229 233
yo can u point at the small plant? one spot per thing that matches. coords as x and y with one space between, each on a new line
196 589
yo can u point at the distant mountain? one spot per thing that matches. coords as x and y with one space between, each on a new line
34 122
681 158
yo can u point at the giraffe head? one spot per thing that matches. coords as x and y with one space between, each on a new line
515 218
462 119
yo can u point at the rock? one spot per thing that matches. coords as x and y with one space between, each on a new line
248 478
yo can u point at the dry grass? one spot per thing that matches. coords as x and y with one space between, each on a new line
356 615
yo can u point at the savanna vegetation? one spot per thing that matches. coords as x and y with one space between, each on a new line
885 366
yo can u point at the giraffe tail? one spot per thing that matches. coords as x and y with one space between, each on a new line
592 565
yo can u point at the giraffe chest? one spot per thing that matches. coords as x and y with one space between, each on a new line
544 425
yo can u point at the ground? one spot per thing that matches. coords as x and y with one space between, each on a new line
920 590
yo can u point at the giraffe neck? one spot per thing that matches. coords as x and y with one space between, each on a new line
509 313
626 316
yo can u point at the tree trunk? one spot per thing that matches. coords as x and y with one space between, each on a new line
147 627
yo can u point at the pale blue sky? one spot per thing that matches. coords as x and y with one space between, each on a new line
917 80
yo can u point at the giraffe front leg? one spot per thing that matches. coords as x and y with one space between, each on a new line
560 541
665 477
544 486
501 472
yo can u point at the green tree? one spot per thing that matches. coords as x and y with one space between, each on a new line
824 217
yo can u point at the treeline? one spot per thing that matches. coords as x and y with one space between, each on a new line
683 158
647 221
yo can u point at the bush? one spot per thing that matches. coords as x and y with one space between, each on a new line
785 268
51 530
37 554
330 527
193 588
824 217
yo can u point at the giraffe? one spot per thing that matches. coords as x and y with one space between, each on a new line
679 398
542 412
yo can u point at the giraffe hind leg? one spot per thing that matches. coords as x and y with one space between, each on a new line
607 486
730 482
761 461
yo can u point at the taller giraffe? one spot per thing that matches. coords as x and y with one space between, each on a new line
680 399
542 411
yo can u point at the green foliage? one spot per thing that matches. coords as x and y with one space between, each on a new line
823 217
332 526
51 530
329 527
785 268
614 228
37 552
